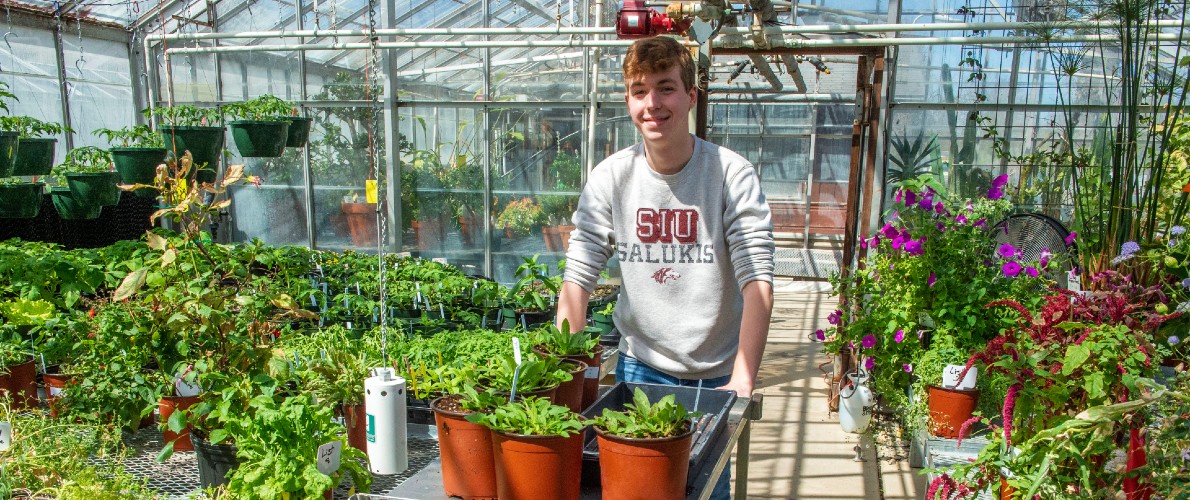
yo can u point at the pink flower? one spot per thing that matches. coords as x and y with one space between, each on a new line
900 336
907 367
961 219
981 223
995 193
1045 257
1031 271
1070 239
939 208
1006 251
869 363
834 317
1000 181
898 196
913 247
869 341
820 335
930 282
889 231
910 198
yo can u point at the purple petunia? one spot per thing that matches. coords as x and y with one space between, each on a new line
869 363
939 208
932 279
1032 271
995 193
961 219
1070 239
889 231
910 198
1000 181
1006 251
897 242
926 203
1045 257
914 247
1011 269
900 336
819 334
833 318
907 367
941 227
898 196
868 342
981 223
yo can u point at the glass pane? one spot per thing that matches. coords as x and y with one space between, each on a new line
100 89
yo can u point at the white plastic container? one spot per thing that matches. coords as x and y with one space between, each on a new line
388 437
855 402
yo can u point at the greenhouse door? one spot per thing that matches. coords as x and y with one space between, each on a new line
814 142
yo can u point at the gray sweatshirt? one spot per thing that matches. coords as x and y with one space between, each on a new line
687 245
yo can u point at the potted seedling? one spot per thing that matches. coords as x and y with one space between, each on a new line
580 349
532 297
465 447
536 376
538 449
35 151
136 151
644 450
261 127
89 182
194 129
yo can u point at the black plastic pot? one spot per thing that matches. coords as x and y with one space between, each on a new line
299 131
35 156
259 138
204 143
138 166
70 209
98 189
21 200
9 142
215 461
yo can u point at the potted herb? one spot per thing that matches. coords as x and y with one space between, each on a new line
465 447
90 183
261 128
194 129
137 152
35 153
583 351
532 296
538 449
948 405
644 450
536 376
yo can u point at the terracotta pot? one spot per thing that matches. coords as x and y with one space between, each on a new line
564 231
361 222
468 463
22 384
949 408
570 394
538 466
55 384
591 381
649 468
356 418
166 407
428 233
549 234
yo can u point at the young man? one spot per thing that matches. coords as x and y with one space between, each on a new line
693 235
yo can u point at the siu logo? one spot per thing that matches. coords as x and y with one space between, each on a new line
667 225
665 274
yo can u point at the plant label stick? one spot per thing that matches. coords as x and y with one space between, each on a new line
516 372
328 457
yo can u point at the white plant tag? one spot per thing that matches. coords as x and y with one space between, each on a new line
5 435
328 457
186 389
950 377
592 372
516 350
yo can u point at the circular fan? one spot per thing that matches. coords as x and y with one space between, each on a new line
1032 233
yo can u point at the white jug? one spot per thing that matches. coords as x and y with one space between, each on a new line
855 402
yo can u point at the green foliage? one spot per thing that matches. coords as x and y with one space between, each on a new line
338 378
25 312
531 417
521 216
6 97
187 115
263 108
535 373
139 136
535 288
560 342
30 127
640 419
911 159
277 444
87 159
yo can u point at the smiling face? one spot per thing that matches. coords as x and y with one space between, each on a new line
660 104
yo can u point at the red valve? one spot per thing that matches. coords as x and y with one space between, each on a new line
638 21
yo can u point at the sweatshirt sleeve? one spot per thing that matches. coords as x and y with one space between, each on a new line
749 227
593 239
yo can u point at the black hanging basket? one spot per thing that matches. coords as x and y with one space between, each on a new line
21 200
9 142
35 156
259 138
70 209
299 131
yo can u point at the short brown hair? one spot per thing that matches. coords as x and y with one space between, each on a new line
657 55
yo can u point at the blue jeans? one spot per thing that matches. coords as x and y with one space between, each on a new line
630 369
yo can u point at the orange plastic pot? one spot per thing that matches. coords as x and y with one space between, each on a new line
468 463
644 468
55 384
570 394
532 467
167 406
949 408
356 418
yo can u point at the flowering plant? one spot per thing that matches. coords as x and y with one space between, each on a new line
1163 264
521 216
931 270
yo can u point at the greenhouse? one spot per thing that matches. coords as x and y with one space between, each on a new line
495 249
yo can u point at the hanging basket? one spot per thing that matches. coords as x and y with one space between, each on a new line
259 138
9 143
21 200
138 166
299 131
100 189
35 156
204 143
70 209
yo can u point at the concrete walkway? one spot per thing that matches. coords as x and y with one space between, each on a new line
798 450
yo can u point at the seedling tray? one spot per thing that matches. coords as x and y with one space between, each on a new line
713 404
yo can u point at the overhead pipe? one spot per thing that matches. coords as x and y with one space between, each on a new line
762 65
949 40
554 30
910 27
456 44
795 73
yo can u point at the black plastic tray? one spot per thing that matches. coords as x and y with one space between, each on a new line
713 404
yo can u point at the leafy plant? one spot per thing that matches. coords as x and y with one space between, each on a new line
139 136
535 289
521 216
911 159
266 107
338 378
642 419
535 373
186 115
560 342
277 444
87 159
30 127
530 417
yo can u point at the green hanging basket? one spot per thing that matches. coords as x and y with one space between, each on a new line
258 138
70 209
8 152
299 131
98 189
35 156
204 143
138 166
21 200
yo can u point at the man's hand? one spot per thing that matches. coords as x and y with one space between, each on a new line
742 388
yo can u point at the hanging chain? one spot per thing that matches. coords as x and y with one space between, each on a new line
335 18
82 54
372 92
